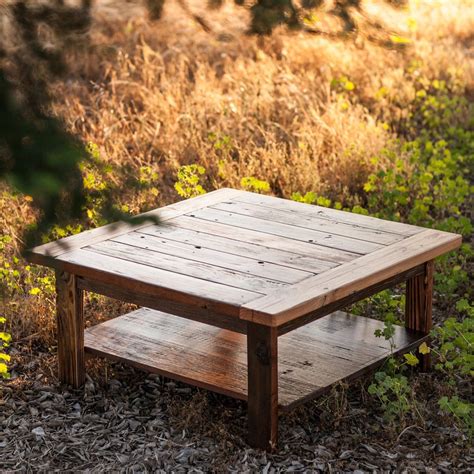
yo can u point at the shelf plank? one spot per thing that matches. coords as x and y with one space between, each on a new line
311 359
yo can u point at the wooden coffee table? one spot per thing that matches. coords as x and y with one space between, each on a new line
240 294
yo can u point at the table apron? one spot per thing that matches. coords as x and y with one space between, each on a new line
203 314
350 299
208 315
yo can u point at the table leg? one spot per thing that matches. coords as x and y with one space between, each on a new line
418 309
70 320
262 357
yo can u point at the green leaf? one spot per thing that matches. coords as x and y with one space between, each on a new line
411 359
424 349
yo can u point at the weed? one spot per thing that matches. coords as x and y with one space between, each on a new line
189 184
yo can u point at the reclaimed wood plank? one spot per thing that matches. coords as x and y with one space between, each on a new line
44 254
262 391
314 223
161 283
184 266
208 312
216 257
279 307
418 307
302 249
323 239
350 299
260 253
216 359
333 215
70 326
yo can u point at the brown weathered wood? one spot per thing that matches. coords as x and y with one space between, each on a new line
274 242
313 293
326 226
45 254
310 359
327 213
194 238
262 357
70 324
418 309
212 313
245 265
164 284
324 239
219 257
350 299
185 266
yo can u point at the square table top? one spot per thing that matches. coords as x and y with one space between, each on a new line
265 259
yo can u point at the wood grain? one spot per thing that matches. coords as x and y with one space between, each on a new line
216 257
163 284
313 293
70 321
306 222
184 266
262 363
310 359
208 312
273 242
350 299
332 215
418 309
44 254
324 239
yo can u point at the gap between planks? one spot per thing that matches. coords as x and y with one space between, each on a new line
313 223
334 215
323 239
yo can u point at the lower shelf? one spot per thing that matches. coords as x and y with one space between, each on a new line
337 347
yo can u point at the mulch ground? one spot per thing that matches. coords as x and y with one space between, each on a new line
126 420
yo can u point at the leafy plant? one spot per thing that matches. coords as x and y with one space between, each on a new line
394 393
189 184
456 342
256 185
426 187
461 410
5 339
312 198
390 385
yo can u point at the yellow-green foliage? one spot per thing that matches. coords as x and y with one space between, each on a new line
255 185
188 182
5 339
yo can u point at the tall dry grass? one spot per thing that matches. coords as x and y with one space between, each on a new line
159 94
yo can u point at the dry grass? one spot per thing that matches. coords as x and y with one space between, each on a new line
151 94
